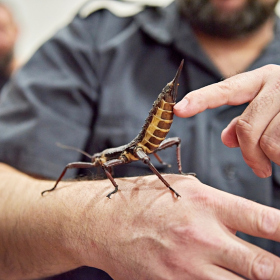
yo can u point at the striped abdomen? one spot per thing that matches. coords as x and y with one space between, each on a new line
155 131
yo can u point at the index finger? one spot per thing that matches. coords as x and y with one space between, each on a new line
235 90
241 214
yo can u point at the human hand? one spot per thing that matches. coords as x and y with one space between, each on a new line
256 131
144 232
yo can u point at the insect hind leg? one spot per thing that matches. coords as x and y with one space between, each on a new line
140 153
169 142
68 166
160 160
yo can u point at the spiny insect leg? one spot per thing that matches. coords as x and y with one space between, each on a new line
160 160
140 153
107 167
169 142
110 177
68 166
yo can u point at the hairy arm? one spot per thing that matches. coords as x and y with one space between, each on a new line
143 232
37 234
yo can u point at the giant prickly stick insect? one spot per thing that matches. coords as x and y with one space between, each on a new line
150 140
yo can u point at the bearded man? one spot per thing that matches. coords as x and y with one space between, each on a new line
91 87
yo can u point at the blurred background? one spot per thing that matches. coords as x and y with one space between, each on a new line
39 19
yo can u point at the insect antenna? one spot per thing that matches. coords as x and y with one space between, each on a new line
73 148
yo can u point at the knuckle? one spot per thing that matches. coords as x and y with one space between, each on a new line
244 128
267 222
184 233
245 134
277 85
194 236
269 145
273 71
271 68
262 268
224 89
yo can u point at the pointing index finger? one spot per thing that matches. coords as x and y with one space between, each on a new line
236 90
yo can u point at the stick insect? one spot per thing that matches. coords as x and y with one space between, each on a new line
150 140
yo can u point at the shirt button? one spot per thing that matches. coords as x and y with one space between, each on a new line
230 171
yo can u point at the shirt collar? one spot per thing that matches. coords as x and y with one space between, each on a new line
166 26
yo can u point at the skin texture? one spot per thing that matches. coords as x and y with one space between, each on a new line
256 131
144 231
191 238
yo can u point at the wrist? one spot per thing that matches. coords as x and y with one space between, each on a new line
84 226
32 229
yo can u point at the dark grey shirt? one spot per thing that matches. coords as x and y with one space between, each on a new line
92 85
3 79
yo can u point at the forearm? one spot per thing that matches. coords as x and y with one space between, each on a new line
143 232
38 235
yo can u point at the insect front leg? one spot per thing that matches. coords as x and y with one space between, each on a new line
68 166
142 155
169 142
107 167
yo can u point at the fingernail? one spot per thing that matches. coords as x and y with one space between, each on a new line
182 105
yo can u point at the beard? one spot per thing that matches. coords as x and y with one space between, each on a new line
205 17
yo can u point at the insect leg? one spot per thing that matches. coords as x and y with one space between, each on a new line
107 167
169 142
160 160
140 153
68 166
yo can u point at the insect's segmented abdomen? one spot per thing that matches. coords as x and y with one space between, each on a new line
158 127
